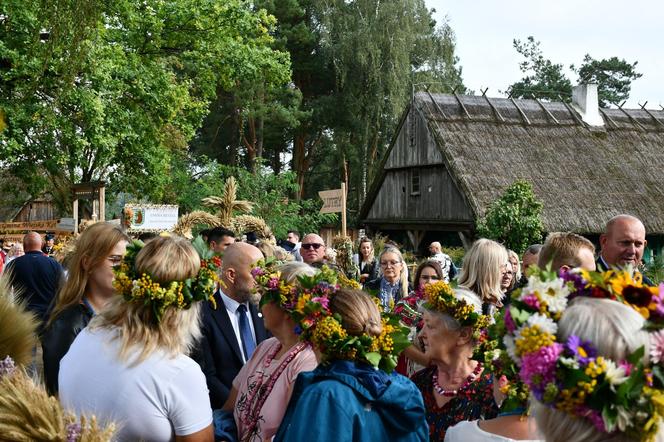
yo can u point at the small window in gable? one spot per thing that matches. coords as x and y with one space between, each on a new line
414 181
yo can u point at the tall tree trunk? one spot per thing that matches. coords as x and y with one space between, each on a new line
299 154
302 152
259 137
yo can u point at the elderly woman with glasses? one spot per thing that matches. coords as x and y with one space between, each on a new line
393 284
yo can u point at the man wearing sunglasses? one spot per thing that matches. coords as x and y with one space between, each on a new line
313 250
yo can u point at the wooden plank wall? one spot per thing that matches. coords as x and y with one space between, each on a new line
36 211
414 145
439 199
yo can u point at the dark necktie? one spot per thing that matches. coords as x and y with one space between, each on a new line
245 332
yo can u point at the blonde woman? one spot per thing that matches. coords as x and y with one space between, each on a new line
140 375
89 287
483 267
393 284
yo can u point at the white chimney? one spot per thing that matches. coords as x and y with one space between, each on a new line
585 102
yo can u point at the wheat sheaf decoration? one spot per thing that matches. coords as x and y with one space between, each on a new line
227 204
28 413
187 222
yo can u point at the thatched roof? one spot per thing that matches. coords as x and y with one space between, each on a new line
584 175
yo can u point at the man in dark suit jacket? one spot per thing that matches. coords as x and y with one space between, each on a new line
623 243
36 277
225 346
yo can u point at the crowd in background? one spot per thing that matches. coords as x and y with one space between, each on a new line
243 339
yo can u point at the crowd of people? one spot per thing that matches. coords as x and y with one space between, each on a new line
235 339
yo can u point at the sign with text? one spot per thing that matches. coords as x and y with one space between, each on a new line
147 217
332 201
66 225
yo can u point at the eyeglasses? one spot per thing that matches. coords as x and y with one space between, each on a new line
430 278
389 263
314 246
116 260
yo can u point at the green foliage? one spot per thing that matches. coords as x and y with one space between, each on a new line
271 194
112 91
546 80
514 219
377 50
614 77
655 268
456 254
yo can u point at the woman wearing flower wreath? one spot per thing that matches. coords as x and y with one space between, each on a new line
514 422
89 287
583 343
139 374
413 358
455 387
353 395
263 387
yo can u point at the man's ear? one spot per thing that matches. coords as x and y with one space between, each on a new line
565 267
603 240
230 274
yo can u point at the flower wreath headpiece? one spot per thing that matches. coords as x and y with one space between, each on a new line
625 396
308 304
440 297
136 287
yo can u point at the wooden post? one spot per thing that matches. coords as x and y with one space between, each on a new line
75 209
343 209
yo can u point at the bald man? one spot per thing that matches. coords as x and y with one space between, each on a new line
312 249
446 264
232 331
622 244
35 276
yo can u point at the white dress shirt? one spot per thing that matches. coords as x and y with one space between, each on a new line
231 307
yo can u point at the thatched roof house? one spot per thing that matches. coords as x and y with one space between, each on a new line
453 155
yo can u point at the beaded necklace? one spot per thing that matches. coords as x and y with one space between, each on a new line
451 393
250 404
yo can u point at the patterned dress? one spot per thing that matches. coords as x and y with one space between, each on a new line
475 402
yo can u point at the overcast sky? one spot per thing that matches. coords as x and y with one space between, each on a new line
567 30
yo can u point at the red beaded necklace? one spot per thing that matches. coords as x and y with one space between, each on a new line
451 393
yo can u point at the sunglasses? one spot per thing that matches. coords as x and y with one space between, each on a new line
312 246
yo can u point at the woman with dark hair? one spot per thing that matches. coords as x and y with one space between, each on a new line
88 289
353 395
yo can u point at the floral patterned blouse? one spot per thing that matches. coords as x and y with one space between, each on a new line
475 402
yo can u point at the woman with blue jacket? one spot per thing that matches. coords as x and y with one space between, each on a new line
353 395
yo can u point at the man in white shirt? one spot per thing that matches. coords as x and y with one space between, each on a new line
446 265
233 329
